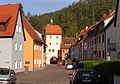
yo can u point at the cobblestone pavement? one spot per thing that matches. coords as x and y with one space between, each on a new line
51 74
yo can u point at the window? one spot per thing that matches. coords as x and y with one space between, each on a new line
52 50
103 54
15 64
27 62
50 37
95 40
40 48
66 51
49 50
108 41
35 61
100 54
15 46
103 38
92 42
20 64
88 44
17 28
20 29
57 37
20 46
49 43
35 47
99 39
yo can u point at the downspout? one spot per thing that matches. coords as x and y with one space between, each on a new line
42 53
82 51
33 55
105 44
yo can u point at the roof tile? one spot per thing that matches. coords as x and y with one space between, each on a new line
10 10
30 29
53 29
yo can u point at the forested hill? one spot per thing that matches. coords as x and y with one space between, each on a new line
74 17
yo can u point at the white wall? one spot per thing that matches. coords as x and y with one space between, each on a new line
53 45
18 55
5 52
111 33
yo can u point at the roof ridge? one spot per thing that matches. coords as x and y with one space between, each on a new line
9 4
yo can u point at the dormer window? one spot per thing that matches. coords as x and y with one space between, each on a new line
4 19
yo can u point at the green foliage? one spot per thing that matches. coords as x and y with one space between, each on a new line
104 68
107 70
74 17
91 63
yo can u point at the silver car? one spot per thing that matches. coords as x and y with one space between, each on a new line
7 76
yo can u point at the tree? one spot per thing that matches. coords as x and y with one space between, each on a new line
74 17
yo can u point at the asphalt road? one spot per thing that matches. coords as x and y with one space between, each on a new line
51 74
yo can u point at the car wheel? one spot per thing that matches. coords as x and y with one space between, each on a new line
70 82
13 83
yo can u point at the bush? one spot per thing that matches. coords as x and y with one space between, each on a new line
90 64
104 68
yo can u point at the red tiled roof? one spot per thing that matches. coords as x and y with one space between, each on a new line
4 18
68 39
53 30
67 42
30 29
103 19
8 14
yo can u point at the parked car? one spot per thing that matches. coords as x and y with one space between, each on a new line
60 63
84 76
53 60
7 76
69 66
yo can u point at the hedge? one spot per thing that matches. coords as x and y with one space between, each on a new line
105 68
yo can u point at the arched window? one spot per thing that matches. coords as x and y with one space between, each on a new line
15 46
20 64
17 28
16 65
20 46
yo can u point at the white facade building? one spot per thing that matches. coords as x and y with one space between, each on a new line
12 40
53 41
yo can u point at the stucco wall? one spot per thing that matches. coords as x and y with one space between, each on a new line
18 55
111 33
53 45
6 52
28 54
118 28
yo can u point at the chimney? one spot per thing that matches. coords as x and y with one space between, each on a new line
86 27
110 10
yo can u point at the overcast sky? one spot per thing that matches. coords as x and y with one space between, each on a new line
40 6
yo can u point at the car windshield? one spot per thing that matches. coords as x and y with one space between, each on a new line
4 72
